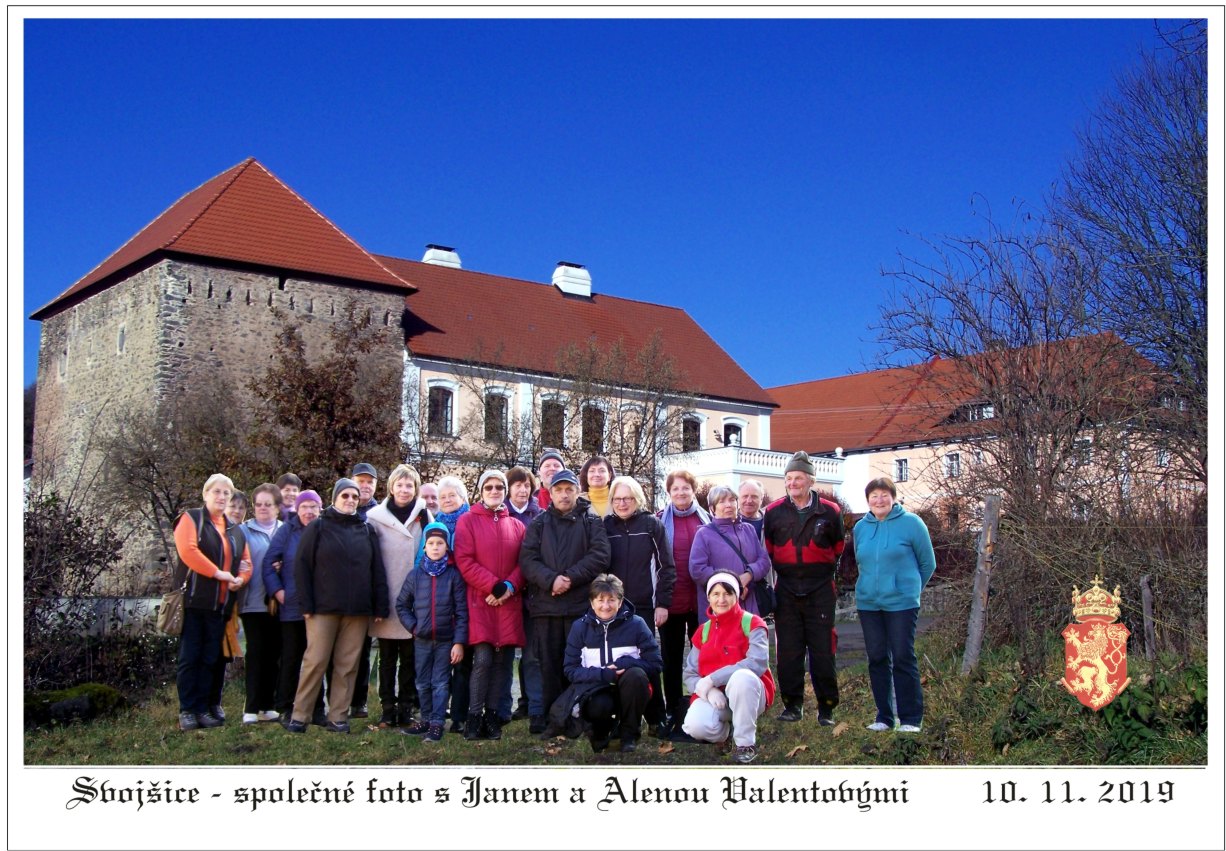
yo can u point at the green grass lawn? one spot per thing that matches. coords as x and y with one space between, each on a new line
1037 723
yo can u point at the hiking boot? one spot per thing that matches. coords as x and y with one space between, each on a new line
599 741
406 714
472 729
792 713
340 727
630 745
744 754
208 720
664 729
537 724
293 726
825 718
493 728
187 721
417 728
434 734
521 711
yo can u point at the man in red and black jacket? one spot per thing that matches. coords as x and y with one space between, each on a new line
804 537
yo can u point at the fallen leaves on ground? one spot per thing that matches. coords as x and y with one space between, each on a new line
792 753
665 747
552 750
839 729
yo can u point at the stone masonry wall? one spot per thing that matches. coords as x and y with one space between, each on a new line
177 319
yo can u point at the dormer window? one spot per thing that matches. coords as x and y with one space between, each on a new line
973 412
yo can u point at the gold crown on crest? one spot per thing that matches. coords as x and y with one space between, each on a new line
1096 603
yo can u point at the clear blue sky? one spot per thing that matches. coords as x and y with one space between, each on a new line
759 174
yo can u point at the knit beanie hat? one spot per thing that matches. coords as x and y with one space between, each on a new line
342 484
491 474
437 530
307 496
550 453
800 463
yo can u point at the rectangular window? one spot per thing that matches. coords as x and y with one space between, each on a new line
553 424
495 417
902 470
689 435
732 435
593 430
1164 458
438 420
953 465
1083 450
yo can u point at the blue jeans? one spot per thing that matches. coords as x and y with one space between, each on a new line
433 660
889 641
199 649
530 672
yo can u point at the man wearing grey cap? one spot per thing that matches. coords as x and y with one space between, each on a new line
367 479
564 549
803 533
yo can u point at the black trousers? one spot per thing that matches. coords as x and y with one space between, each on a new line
620 705
804 629
549 633
263 633
490 677
397 673
673 637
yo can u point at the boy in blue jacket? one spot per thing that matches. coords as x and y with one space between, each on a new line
433 607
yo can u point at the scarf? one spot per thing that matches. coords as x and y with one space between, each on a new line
403 513
671 511
449 520
599 498
432 567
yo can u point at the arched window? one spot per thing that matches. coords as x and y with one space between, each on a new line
732 435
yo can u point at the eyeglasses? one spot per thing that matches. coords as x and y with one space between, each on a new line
348 496
623 499
493 488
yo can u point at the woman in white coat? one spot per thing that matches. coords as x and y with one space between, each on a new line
398 522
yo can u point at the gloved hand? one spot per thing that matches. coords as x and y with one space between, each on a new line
702 687
716 698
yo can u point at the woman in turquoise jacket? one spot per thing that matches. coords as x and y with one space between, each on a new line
895 559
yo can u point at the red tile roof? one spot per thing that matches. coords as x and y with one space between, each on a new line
245 214
909 405
458 313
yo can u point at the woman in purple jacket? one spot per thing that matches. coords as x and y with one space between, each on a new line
728 544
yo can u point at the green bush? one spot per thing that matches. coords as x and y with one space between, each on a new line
79 703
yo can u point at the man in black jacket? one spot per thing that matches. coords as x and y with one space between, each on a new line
564 549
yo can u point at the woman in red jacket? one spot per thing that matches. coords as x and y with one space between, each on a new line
728 671
487 542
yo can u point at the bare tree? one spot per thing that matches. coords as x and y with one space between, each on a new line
319 413
1135 200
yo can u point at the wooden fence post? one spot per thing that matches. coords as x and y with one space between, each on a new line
983 577
1147 611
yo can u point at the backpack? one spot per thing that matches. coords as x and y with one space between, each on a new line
746 620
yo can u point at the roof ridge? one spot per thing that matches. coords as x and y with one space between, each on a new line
236 168
524 281
238 172
332 225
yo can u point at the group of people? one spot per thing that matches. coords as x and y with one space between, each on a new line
620 614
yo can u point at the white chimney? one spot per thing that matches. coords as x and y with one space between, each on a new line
441 255
572 279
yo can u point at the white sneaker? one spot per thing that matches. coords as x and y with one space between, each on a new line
250 718
266 715
878 727
908 728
